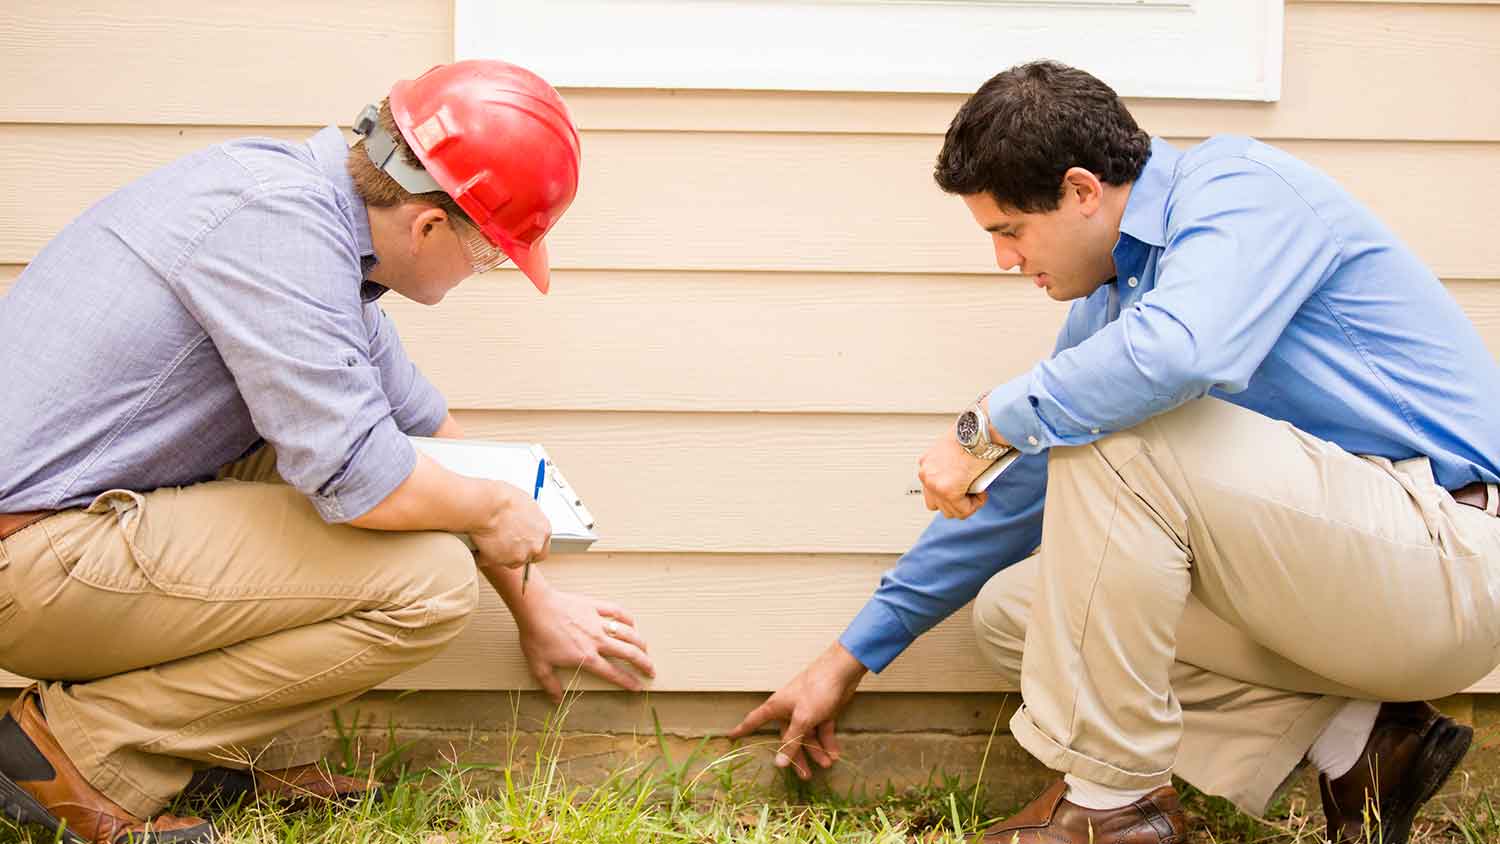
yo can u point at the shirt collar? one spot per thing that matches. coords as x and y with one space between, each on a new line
1145 217
331 153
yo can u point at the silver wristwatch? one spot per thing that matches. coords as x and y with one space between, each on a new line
973 432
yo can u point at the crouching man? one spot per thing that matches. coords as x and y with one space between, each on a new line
223 307
1260 469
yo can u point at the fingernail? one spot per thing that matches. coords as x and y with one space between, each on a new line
782 760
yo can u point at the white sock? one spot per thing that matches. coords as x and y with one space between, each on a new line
1344 739
1092 795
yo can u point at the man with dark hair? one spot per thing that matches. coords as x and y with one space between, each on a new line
1268 473
178 614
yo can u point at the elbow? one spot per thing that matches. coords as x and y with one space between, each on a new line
390 514
1187 375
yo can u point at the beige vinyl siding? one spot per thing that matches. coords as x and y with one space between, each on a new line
764 310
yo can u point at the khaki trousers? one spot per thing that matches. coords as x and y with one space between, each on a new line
177 628
1213 585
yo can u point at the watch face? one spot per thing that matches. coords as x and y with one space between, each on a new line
968 428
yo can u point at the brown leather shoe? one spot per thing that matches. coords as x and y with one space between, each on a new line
1154 819
1412 750
311 785
39 784
300 787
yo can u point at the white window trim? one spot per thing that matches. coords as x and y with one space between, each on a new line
1201 49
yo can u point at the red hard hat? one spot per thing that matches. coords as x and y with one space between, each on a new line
499 140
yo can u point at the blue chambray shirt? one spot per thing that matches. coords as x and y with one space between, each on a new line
1244 274
215 303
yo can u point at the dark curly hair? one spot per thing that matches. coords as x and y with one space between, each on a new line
1021 131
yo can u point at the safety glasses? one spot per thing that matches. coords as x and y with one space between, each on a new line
483 255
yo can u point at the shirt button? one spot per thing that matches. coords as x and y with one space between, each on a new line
1031 440
1133 281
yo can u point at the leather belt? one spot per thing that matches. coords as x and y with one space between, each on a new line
13 523
1476 495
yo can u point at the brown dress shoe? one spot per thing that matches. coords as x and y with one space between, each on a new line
1154 819
311 785
39 784
1412 750
301 787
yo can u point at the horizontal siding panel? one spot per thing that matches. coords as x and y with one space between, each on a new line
713 623
827 203
729 341
758 342
719 624
1350 71
717 482
745 342
272 62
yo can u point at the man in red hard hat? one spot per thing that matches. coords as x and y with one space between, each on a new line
212 523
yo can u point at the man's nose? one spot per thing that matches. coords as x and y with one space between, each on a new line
1006 257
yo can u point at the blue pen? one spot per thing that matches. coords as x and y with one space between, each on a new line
536 494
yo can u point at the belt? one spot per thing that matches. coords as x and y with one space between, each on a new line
13 523
1477 495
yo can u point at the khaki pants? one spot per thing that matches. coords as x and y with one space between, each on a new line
178 628
1213 585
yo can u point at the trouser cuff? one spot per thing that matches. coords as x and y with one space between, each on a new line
1060 758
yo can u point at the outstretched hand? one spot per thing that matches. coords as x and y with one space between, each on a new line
809 706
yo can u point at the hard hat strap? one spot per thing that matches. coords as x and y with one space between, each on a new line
382 150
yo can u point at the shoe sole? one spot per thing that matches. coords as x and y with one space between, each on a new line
22 808
1443 747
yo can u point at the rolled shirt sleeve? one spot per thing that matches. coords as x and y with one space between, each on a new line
275 284
1243 252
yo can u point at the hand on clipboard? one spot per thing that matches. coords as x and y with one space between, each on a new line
989 475
985 478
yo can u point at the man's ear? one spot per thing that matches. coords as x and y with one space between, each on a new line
1084 187
428 220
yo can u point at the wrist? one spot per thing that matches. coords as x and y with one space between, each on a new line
845 664
998 438
499 499
506 582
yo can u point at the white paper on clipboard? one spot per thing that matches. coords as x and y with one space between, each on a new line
516 464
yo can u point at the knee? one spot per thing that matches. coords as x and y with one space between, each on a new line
1000 627
445 580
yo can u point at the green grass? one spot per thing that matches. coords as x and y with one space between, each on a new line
700 799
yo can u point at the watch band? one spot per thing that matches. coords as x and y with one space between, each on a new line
988 451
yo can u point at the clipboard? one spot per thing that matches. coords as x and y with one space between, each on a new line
986 477
989 475
516 464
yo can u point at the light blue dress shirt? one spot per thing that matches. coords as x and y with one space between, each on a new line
207 306
1244 274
